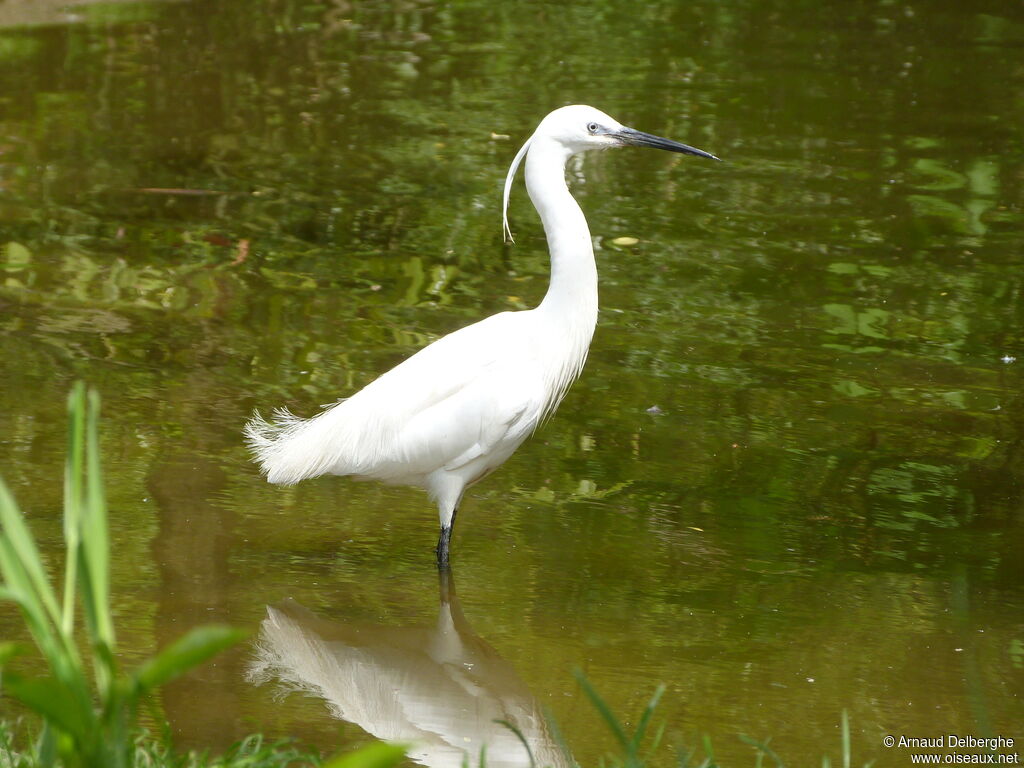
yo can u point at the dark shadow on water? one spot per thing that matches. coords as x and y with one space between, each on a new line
442 688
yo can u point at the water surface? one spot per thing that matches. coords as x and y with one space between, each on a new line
788 483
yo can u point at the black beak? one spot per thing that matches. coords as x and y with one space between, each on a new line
641 139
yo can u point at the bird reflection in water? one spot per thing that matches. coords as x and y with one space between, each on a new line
440 689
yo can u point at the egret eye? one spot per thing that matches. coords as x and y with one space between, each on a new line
593 127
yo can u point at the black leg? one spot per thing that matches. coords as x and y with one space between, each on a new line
442 546
444 542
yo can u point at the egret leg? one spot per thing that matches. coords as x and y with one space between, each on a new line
444 543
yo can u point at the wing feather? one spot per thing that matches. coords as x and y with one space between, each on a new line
451 401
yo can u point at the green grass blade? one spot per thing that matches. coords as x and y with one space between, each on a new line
95 535
559 738
60 706
64 664
686 760
708 750
193 649
763 750
645 719
95 555
379 755
603 709
846 739
656 740
25 582
522 740
46 747
22 566
31 609
73 468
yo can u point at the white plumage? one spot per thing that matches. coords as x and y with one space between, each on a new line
458 408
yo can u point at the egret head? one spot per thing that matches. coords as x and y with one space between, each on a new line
578 128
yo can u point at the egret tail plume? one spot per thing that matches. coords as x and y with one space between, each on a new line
286 447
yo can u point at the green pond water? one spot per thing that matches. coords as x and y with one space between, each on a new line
788 483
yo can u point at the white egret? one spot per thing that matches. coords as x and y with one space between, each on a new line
457 409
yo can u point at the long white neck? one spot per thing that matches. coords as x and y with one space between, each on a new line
572 295
569 310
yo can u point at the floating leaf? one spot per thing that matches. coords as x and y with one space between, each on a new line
289 280
929 205
877 270
852 389
870 323
544 494
942 178
922 142
16 257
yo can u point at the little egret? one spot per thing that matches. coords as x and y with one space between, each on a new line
457 409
